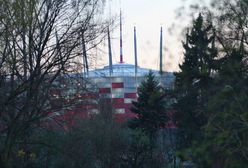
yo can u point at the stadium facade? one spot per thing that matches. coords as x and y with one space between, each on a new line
121 86
115 84
118 83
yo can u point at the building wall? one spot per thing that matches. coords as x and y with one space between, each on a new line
121 91
117 91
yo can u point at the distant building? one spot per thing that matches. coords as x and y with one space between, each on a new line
122 84
115 84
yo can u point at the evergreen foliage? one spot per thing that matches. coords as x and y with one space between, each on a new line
193 81
199 56
212 92
225 134
151 114
149 108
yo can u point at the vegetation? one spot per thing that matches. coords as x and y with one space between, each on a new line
150 111
149 107
40 42
211 111
194 80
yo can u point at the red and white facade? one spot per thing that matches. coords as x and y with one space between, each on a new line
121 87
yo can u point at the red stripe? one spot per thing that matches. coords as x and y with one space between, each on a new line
104 90
125 106
118 100
118 85
130 95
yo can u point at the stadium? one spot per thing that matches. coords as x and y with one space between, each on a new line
114 84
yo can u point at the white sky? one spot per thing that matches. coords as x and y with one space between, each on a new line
148 16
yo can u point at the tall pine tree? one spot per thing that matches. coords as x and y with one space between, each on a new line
193 81
149 107
225 135
150 111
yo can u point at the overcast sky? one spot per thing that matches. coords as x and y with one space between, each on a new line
148 16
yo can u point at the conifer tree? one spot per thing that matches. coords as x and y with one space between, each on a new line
225 134
199 56
150 111
149 106
193 81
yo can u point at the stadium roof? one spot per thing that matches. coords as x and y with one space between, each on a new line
123 70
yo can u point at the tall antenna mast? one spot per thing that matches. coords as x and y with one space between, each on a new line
110 54
86 67
121 49
59 50
135 51
85 59
161 52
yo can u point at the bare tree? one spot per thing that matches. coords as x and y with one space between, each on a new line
39 41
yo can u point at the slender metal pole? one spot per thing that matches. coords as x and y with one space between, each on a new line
86 67
59 51
135 52
161 52
121 49
110 54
